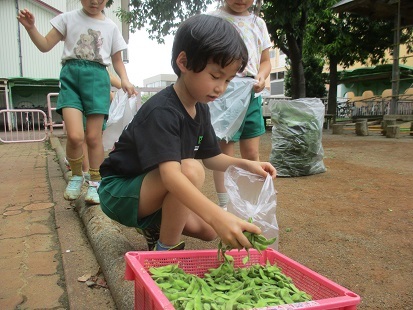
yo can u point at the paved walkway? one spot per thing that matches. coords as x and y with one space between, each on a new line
29 255
41 237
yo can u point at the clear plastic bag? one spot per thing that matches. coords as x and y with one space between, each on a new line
297 137
252 196
121 112
228 111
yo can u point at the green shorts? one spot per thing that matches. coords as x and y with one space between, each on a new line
119 200
253 124
84 85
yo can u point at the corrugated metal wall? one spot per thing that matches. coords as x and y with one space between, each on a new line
32 63
9 56
35 63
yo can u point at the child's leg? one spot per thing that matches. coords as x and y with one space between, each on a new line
75 136
249 148
177 219
95 150
94 143
228 149
74 153
85 162
253 129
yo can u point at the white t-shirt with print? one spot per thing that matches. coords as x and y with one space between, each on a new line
88 38
254 32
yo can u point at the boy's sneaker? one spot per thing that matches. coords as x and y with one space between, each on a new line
92 196
73 188
179 246
151 235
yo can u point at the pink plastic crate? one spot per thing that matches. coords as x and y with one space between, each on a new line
326 294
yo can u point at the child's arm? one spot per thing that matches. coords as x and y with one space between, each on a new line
228 226
44 44
264 71
120 69
115 81
222 161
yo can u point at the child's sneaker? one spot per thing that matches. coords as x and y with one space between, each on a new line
92 196
179 246
151 235
73 188
67 164
86 176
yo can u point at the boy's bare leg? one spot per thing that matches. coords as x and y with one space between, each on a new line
177 219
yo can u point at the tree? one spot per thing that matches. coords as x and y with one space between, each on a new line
315 79
286 22
346 39
160 17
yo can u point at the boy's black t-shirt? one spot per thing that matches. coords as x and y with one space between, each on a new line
161 131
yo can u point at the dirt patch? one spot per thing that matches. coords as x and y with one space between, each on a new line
351 224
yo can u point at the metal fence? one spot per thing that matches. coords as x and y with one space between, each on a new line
23 125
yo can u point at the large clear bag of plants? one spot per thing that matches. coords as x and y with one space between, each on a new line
296 139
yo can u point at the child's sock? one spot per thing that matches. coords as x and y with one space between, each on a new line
162 247
94 175
76 165
222 199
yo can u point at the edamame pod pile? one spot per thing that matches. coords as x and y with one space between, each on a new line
227 287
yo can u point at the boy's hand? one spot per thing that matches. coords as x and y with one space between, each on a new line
260 168
269 168
26 18
230 229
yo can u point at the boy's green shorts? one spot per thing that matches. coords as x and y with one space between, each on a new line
253 124
84 85
119 200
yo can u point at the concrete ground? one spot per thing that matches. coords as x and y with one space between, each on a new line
43 246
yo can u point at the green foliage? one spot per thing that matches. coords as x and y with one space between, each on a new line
160 17
286 22
315 79
310 27
145 96
347 37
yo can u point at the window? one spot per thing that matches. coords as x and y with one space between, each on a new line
280 75
273 76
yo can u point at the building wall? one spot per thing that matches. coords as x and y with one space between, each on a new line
160 80
25 59
275 81
21 58
388 59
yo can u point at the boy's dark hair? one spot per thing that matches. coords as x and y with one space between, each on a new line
208 38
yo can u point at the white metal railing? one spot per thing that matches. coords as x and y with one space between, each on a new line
50 123
23 125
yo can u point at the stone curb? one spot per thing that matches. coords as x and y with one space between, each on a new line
108 242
